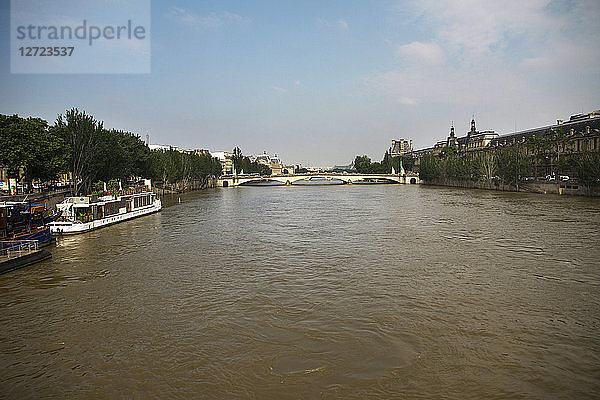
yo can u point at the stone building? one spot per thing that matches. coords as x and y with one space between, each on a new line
400 147
580 133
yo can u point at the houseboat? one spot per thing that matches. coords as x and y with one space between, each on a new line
21 221
82 214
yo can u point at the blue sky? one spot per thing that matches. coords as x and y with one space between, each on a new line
318 82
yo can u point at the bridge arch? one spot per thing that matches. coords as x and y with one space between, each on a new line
308 179
256 181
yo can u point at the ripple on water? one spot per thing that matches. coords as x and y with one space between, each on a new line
348 292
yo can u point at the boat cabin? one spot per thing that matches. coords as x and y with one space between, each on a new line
91 208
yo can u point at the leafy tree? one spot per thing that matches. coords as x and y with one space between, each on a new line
243 163
429 167
587 166
32 145
512 164
99 187
238 160
362 164
408 162
171 166
449 151
82 132
16 137
538 146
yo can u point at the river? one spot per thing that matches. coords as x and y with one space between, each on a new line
337 292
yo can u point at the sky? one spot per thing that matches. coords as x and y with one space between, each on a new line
319 82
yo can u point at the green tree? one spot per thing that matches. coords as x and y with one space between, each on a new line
362 164
32 145
449 151
82 132
429 168
513 164
587 166
408 162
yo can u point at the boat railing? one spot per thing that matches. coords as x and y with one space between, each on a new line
17 248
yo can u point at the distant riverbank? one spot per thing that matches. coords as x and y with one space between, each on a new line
542 187
184 186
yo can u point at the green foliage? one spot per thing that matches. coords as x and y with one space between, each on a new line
78 143
408 163
513 164
449 151
171 166
83 133
112 186
362 164
510 164
31 144
99 187
430 168
587 166
242 163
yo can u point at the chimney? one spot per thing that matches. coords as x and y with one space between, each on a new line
559 122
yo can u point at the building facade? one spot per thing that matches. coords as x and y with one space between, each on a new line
400 147
580 133
226 160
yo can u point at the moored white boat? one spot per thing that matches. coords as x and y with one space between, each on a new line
82 214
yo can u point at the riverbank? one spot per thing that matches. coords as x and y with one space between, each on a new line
184 187
560 188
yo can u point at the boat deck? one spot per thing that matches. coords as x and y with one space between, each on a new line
23 259
16 254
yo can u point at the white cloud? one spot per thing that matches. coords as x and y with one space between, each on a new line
482 26
339 24
472 31
409 101
563 56
538 63
424 53
279 89
488 55
211 20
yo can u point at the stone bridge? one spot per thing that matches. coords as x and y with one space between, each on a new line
228 181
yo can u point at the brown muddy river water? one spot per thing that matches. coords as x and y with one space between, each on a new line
339 292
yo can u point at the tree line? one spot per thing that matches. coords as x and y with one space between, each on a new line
364 165
243 164
79 144
514 164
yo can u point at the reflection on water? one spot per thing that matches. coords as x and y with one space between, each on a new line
346 291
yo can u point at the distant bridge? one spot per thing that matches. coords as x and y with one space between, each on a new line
229 181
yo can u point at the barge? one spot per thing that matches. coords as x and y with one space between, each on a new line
20 220
83 214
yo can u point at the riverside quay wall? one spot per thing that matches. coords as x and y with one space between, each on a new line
560 188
